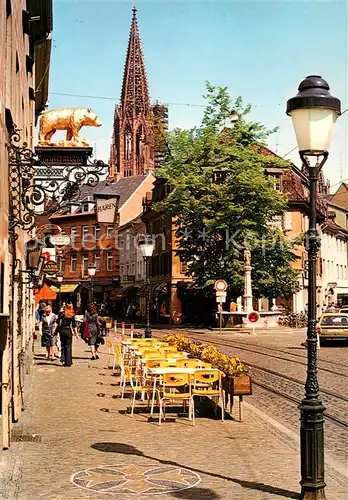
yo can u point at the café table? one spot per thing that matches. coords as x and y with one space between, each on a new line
157 372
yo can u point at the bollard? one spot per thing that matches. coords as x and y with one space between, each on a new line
115 328
123 329
131 331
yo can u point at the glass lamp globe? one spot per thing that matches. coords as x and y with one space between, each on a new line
314 112
147 246
92 270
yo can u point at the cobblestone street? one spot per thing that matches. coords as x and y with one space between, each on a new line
280 352
78 442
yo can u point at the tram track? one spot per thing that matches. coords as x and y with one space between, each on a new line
285 386
246 347
292 379
331 418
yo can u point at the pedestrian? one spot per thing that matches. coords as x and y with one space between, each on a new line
48 327
42 307
66 326
92 330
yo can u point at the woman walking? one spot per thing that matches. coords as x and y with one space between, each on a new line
92 330
67 328
48 327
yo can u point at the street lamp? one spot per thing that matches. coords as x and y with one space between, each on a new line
314 112
59 276
147 246
91 272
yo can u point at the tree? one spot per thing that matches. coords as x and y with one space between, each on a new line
223 202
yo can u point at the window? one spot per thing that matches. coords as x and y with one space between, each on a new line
84 207
73 263
84 265
109 261
277 184
85 231
109 231
121 271
73 234
97 262
97 233
62 265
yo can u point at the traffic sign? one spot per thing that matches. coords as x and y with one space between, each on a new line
253 317
221 296
220 285
60 240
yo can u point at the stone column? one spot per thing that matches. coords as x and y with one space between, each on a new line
248 294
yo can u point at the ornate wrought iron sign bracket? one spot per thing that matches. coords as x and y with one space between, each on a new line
33 183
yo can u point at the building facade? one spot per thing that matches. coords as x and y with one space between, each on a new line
332 284
166 271
97 244
25 45
132 267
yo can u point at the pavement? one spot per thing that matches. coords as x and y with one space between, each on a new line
76 441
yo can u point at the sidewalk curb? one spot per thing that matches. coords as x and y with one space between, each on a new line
329 460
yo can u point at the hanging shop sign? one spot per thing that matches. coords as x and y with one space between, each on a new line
106 209
60 240
50 267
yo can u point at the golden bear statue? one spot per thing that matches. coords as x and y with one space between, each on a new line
69 119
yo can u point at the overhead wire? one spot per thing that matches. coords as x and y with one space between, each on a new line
109 98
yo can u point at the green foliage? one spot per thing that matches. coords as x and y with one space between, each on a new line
217 220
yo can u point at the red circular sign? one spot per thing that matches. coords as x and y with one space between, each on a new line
220 285
253 317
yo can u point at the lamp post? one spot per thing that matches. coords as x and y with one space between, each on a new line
314 112
147 247
59 279
91 273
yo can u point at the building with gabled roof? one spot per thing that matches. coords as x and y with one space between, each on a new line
98 244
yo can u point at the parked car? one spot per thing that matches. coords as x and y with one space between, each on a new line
344 310
333 326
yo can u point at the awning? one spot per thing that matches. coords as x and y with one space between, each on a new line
68 288
54 289
45 293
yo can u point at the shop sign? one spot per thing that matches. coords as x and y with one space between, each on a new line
50 267
106 210
60 240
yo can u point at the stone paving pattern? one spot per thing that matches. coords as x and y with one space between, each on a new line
81 421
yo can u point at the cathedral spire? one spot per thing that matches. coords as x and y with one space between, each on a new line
135 92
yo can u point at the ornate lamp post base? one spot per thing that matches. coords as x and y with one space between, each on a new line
312 450
148 332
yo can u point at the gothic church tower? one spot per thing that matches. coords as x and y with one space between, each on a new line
132 148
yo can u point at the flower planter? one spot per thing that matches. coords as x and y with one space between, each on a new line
236 386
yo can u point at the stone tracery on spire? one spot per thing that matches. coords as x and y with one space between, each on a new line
135 97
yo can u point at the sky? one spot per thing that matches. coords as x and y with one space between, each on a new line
260 50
